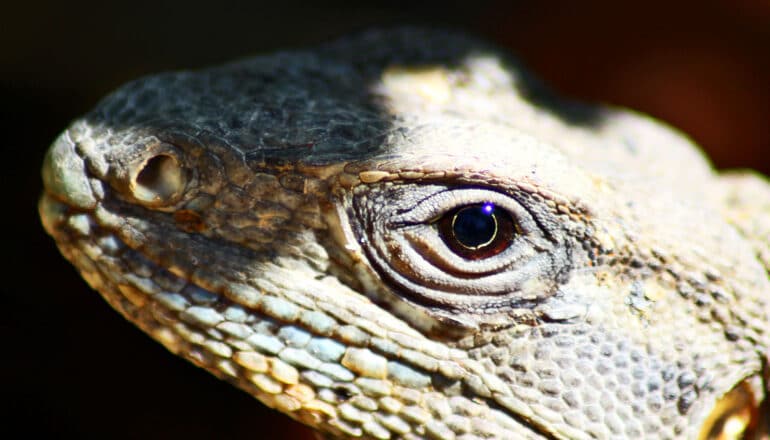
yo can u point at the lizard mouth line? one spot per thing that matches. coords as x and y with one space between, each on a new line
125 277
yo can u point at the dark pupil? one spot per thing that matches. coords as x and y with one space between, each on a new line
475 226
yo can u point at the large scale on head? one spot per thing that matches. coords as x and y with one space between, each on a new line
403 235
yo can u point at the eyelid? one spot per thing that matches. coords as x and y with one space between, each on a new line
425 243
433 207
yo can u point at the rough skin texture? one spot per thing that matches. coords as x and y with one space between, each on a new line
274 221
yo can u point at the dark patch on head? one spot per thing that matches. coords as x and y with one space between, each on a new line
311 106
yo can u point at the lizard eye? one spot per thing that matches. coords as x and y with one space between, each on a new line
456 249
735 416
477 231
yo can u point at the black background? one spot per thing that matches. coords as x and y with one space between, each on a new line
72 367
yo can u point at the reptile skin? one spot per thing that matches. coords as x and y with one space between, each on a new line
276 221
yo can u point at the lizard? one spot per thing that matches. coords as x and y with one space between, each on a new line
404 234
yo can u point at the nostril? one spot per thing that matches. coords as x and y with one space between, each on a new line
159 180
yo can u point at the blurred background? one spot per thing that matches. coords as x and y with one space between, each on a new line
73 367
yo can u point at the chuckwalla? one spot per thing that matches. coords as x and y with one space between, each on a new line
402 234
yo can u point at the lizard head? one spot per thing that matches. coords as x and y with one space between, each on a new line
402 235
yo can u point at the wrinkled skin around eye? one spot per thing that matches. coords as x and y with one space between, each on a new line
408 248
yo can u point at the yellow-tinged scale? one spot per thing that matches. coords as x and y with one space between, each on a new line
283 372
251 361
266 383
301 392
136 297
365 363
286 403
372 176
321 407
